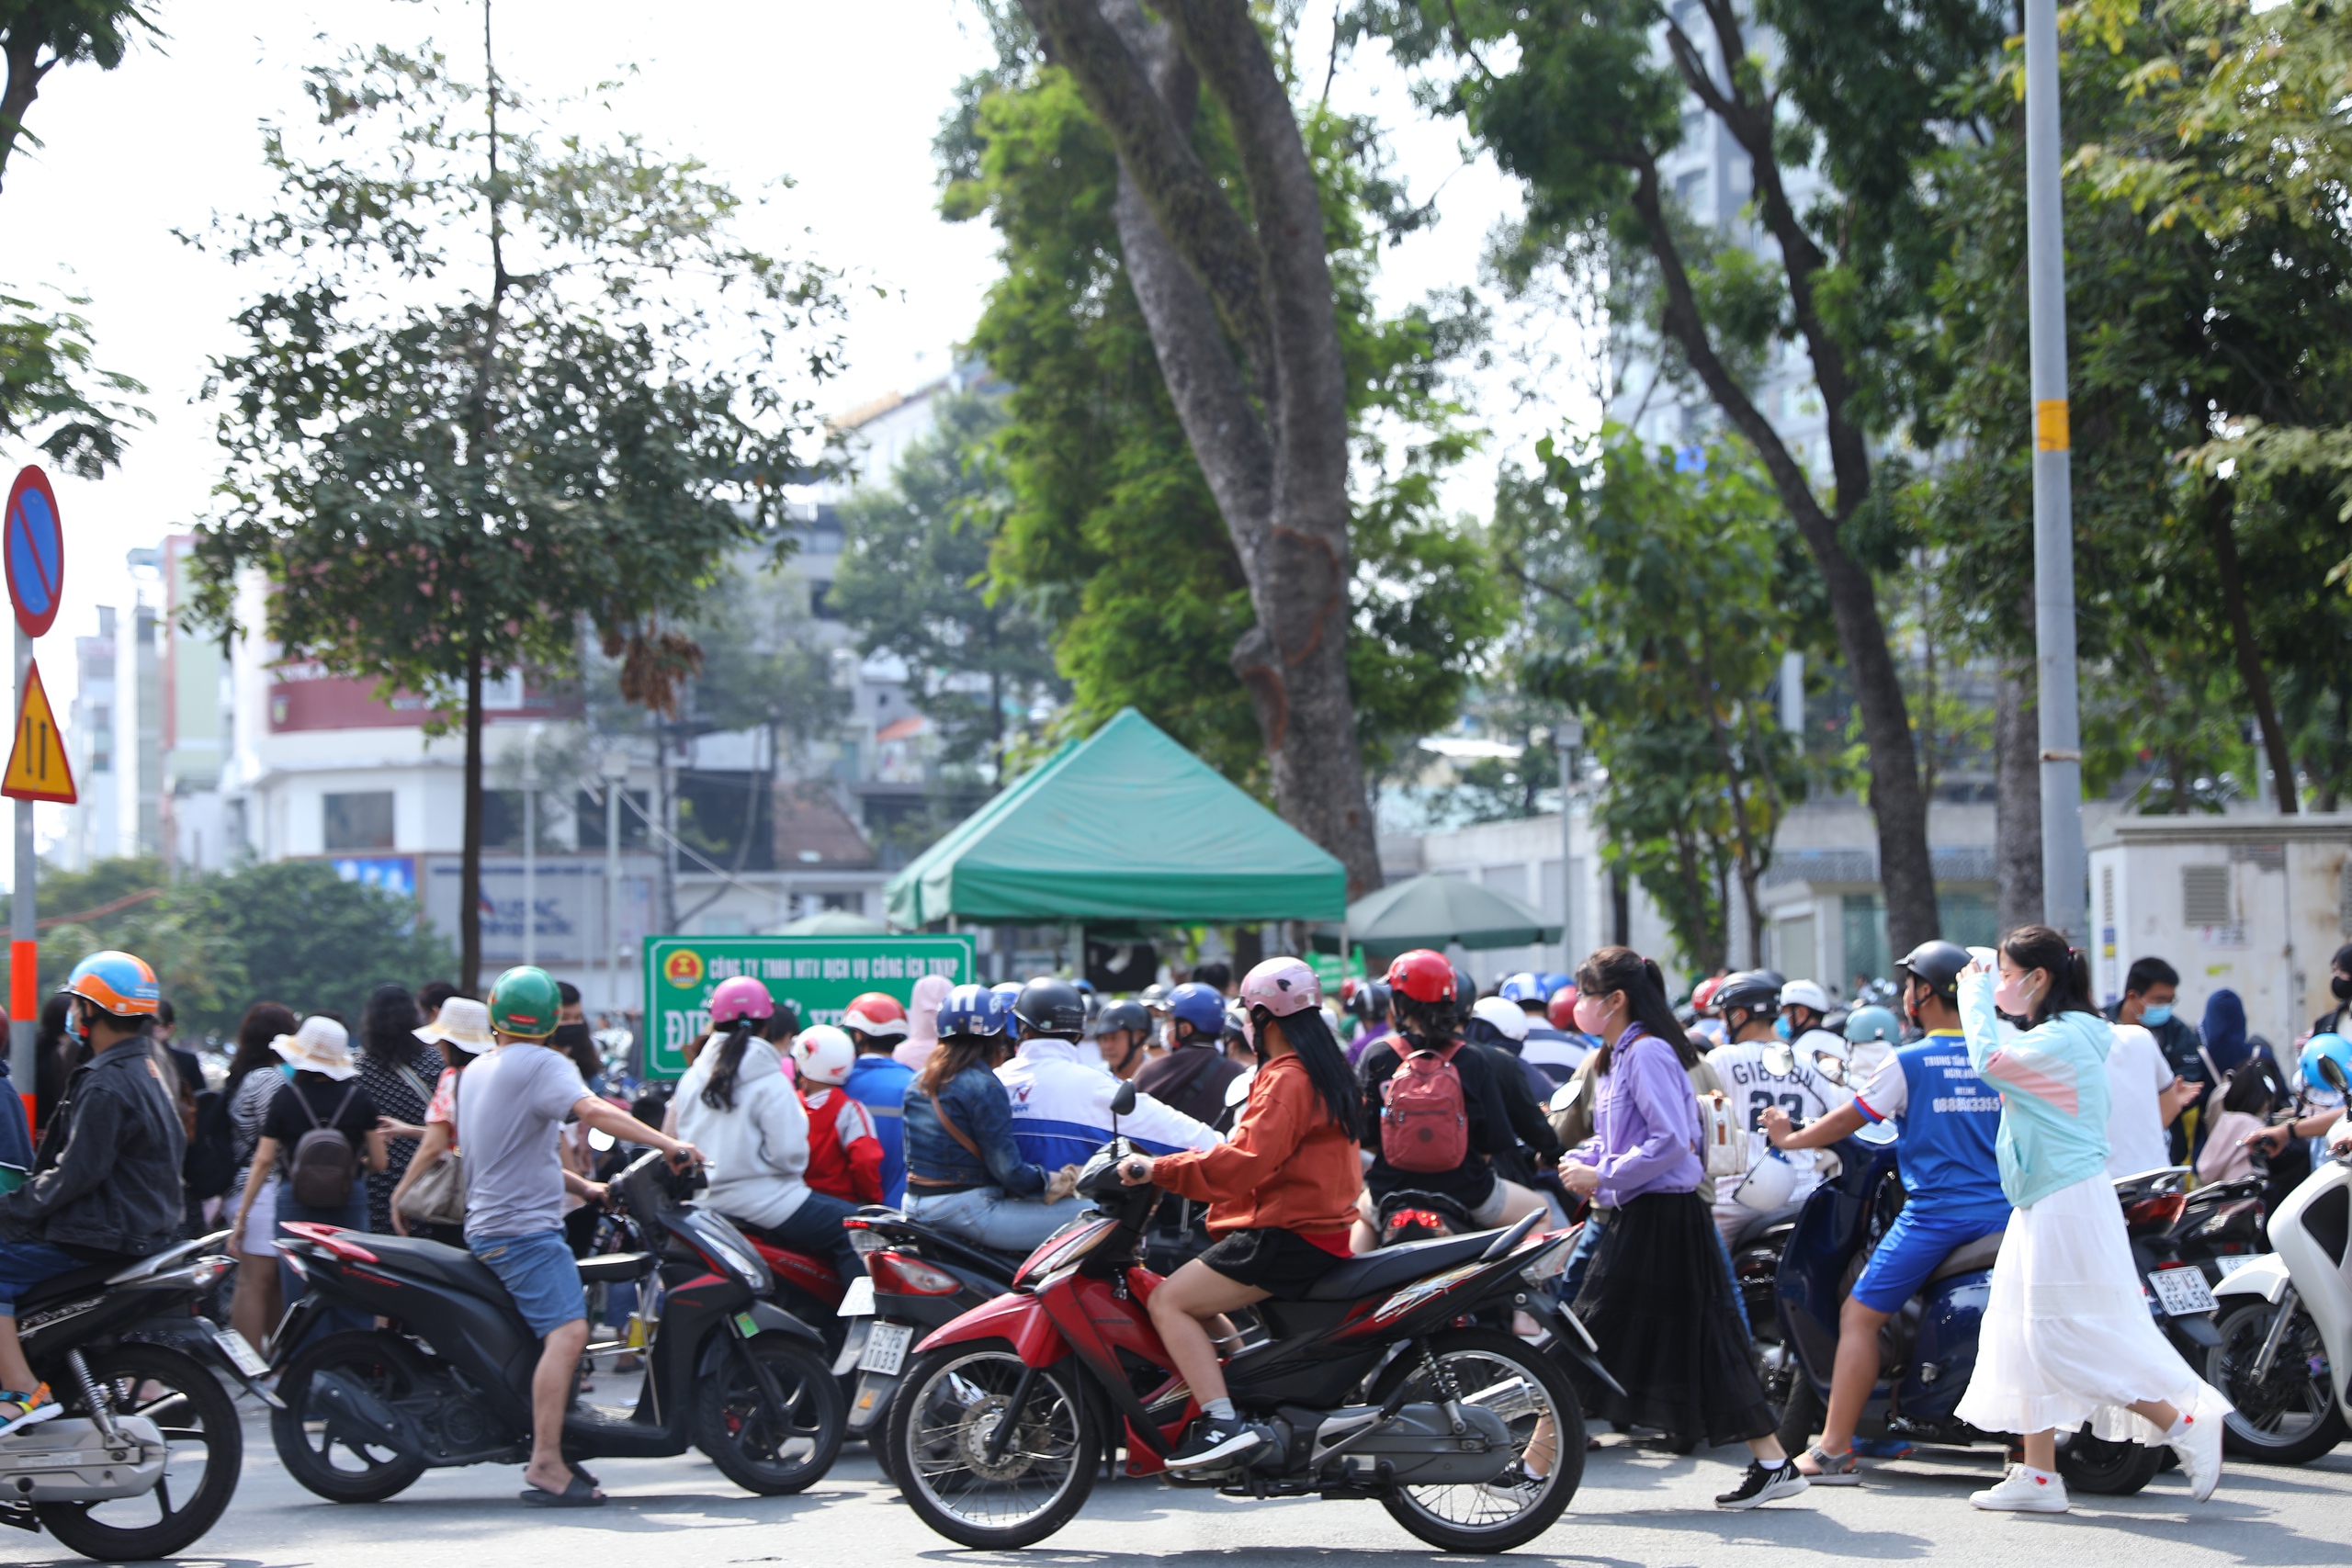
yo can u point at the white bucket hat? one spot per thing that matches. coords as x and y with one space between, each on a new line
321 1046
463 1022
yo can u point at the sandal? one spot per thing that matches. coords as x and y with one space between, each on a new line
1831 1469
576 1493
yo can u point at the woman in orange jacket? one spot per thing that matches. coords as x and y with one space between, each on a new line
1281 1191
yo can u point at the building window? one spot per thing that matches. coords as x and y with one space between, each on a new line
361 821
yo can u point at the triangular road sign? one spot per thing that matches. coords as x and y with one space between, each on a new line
37 765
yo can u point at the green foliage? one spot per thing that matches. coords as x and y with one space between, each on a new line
1111 526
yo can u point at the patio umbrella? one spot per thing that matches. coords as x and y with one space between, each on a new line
1435 911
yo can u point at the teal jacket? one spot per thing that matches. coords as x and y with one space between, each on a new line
2052 1084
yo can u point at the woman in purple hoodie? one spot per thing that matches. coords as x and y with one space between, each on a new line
1657 1299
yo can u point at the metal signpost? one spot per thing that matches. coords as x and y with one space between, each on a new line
817 975
32 546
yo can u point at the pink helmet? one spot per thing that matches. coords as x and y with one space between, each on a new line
1282 986
823 1054
742 997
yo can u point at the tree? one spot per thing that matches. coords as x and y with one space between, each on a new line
1238 304
38 36
914 583
446 465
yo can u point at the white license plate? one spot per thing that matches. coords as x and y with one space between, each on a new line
2182 1293
2230 1263
859 1300
242 1355
886 1348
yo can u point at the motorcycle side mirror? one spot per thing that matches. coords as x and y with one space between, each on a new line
1122 1104
2334 1075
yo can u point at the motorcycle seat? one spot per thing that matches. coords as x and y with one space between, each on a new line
1969 1257
1758 1223
1394 1266
432 1260
65 1287
612 1268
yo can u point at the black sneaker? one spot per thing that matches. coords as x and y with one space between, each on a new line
1213 1440
1764 1483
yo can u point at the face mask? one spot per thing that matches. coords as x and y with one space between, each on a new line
567 1035
2014 996
2157 1014
1781 1028
2341 986
1589 1016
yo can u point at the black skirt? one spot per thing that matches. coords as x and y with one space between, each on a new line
1281 1263
1657 1302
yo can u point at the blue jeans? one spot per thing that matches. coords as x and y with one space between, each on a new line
24 1264
815 1228
353 1215
986 1216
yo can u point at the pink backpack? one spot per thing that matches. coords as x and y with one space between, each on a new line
1424 1120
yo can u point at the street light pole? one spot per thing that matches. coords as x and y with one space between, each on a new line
531 845
1570 735
2066 875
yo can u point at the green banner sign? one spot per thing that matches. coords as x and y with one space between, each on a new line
817 975
1331 969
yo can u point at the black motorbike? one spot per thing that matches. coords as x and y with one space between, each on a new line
147 1452
449 1382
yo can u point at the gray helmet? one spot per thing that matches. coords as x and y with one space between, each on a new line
1937 965
1756 992
1051 1008
1123 1015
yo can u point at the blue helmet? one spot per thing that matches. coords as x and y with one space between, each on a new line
2329 1047
975 1009
1553 983
1200 1005
1523 987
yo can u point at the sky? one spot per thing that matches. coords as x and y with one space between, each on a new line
841 99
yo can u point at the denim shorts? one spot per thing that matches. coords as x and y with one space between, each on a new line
538 1274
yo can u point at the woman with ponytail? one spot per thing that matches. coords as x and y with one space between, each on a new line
2066 1338
737 1106
1658 1300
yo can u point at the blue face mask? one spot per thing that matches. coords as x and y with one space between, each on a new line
2157 1014
1781 1026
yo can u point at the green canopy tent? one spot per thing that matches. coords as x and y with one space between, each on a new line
1435 912
1122 826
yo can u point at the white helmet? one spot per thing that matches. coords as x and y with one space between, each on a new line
821 1054
1804 994
1509 1020
1769 1182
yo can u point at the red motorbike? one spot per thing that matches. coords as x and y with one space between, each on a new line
1379 1385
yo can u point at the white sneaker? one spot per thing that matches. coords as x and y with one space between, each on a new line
2199 1446
2024 1491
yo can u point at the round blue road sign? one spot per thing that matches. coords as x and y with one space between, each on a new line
33 545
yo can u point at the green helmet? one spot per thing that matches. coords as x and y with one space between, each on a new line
524 1003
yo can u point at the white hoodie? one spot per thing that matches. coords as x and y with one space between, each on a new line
757 1151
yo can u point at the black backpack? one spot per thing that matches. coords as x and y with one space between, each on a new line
211 1163
324 1163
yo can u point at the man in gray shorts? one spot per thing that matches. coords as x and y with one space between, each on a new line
511 1106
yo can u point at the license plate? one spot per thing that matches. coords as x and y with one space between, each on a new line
859 1302
2182 1293
241 1354
2230 1263
886 1350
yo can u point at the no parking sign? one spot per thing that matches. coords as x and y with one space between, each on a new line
34 550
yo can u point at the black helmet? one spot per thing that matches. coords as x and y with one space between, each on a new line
1937 965
1756 992
1051 1008
1123 1015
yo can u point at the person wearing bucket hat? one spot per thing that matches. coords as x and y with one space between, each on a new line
511 1106
460 1029
104 1186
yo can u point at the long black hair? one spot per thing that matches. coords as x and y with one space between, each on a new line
718 1093
1622 969
2039 947
1310 1034
388 1029
263 1023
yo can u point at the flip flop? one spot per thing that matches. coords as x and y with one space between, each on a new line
578 1494
581 1470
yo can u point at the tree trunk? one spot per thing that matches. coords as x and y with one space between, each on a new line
469 871
2017 809
2220 500
1621 909
25 72
1268 428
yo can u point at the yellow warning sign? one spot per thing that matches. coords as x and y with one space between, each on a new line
37 765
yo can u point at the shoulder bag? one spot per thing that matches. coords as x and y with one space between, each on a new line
436 1195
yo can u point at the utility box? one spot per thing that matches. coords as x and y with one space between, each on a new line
2255 905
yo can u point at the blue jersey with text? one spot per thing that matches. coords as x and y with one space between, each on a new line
1949 1119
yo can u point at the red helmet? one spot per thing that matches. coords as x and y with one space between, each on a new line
877 1015
1561 1009
1705 996
1423 976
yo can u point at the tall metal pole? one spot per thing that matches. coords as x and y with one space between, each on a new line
531 845
1570 735
616 779
24 931
2065 874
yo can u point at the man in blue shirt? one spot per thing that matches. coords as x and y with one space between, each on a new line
875 1024
1948 1119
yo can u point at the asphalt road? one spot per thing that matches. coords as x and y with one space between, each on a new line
1637 1506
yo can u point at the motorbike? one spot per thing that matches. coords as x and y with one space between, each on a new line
2284 1354
148 1450
1366 1386
917 1280
447 1383
1927 1351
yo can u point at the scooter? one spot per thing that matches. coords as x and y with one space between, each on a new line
147 1454
917 1280
1366 1387
448 1383
2285 1354
1927 1351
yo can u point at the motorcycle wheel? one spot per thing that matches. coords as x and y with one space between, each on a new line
2108 1469
195 1414
771 1452
2289 1417
386 1366
1505 1374
945 1408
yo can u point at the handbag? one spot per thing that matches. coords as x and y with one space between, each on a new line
436 1195
1723 1140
